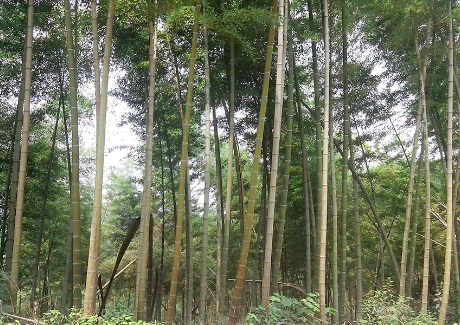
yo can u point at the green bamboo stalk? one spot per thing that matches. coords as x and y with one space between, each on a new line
287 162
449 212
413 165
23 160
207 183
38 248
12 182
426 255
324 181
141 274
345 159
318 129
228 200
183 169
94 244
249 217
358 247
279 92
75 182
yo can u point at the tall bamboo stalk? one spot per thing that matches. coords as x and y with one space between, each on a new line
449 218
207 182
415 221
38 248
345 159
221 283
12 183
310 231
94 244
279 92
422 106
183 169
143 256
426 255
67 295
318 130
249 217
335 226
324 181
287 159
228 200
23 160
358 247
188 251
75 178
96 68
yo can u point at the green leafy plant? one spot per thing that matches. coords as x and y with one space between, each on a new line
383 308
288 310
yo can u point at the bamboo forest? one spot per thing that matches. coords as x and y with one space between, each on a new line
208 162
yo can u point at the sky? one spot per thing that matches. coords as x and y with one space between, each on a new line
117 138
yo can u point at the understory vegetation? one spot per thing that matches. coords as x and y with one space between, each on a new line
380 307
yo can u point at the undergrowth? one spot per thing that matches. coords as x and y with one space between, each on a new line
287 310
382 307
55 317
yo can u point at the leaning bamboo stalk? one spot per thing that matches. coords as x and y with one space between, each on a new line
23 160
422 106
249 217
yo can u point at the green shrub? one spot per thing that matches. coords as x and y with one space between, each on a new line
382 307
288 310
